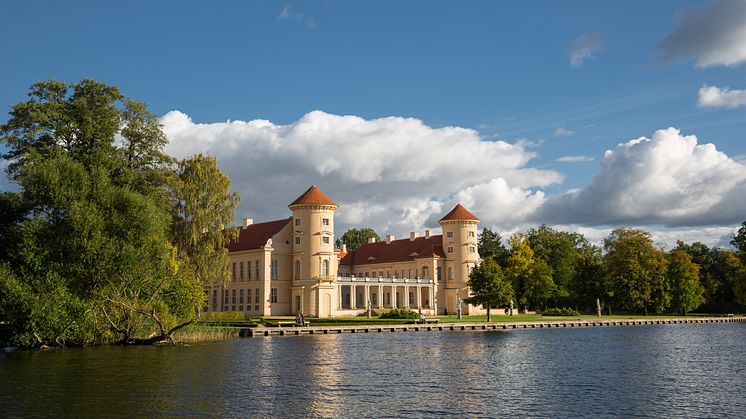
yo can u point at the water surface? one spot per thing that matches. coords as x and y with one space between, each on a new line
660 371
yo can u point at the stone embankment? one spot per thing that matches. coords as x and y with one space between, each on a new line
324 330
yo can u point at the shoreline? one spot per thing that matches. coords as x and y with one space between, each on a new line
477 326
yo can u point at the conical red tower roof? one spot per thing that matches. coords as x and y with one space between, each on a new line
313 196
459 213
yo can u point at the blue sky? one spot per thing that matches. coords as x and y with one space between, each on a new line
502 69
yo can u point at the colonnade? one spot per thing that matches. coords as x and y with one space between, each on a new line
386 296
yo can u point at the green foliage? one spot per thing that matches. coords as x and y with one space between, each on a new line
488 286
399 313
490 245
636 271
202 205
87 253
683 276
560 251
354 238
222 316
739 242
531 277
590 280
560 312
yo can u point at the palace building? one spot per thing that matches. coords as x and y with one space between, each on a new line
291 266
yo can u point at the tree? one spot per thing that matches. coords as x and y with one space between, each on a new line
90 258
354 238
202 205
559 249
490 245
531 278
488 286
739 242
683 277
589 281
636 271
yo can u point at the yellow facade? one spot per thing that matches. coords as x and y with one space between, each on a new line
290 266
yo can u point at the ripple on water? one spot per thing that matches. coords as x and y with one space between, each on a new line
664 371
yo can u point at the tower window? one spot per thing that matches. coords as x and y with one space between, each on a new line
325 240
297 269
297 240
297 221
472 249
450 249
325 267
471 234
449 234
324 221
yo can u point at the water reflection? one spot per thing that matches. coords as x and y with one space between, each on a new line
681 370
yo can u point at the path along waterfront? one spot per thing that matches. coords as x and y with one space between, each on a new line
314 330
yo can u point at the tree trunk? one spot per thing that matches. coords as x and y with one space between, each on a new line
489 314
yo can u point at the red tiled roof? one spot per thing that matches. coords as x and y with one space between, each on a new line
313 196
256 235
459 213
397 251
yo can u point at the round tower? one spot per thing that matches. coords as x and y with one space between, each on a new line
314 261
460 248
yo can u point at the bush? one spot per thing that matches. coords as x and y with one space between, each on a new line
560 312
399 313
222 316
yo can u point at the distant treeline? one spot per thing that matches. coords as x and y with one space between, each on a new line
108 239
550 268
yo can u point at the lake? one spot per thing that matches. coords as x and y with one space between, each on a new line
660 371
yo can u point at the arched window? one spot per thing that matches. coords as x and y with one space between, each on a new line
325 267
426 272
297 269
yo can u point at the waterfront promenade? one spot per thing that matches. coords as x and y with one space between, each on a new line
320 330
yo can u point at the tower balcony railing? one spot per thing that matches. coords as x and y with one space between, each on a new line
385 280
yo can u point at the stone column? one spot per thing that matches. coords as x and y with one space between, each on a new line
393 296
432 297
353 292
367 295
339 291
379 300
406 296
418 299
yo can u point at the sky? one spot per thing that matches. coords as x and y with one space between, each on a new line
583 115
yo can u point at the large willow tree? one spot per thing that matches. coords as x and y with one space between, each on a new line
89 250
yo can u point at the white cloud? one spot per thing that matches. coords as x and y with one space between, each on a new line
714 34
584 48
289 13
394 174
715 97
563 132
574 159
669 179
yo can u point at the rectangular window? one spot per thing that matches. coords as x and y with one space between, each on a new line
241 271
273 295
274 269
233 297
297 221
225 299
240 308
471 234
472 249
324 221
258 276
325 240
214 299
388 274
450 249
380 274
450 274
248 299
234 271
449 234
248 270
240 297
256 297
297 240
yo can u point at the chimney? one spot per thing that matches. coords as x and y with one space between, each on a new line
371 239
247 222
390 238
344 248
427 234
412 235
